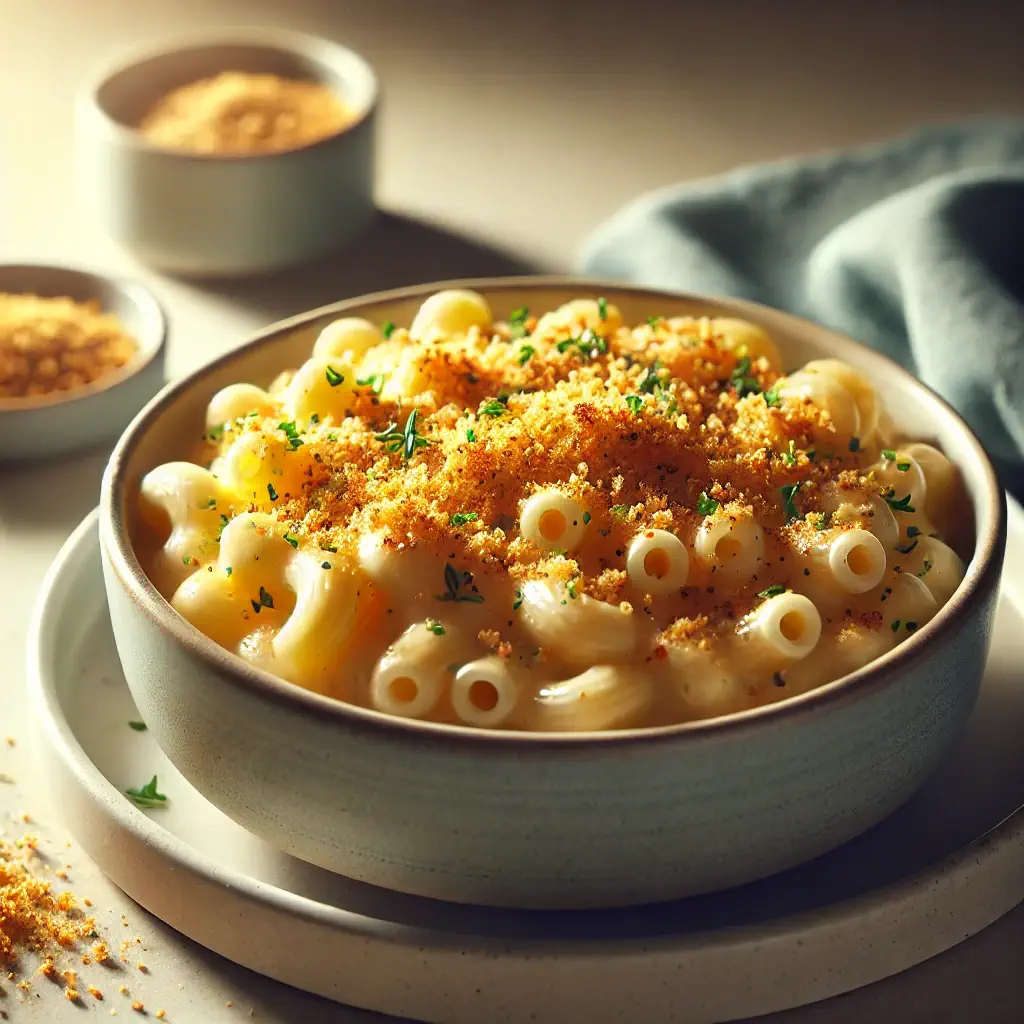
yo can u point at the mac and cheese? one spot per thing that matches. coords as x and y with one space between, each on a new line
554 523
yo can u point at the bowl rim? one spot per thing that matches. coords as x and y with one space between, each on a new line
133 290
980 580
314 48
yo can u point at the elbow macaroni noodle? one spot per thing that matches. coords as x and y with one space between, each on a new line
556 524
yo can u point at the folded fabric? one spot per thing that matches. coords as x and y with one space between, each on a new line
914 247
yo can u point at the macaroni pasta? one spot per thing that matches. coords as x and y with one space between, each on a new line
553 523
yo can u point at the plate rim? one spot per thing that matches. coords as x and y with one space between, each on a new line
999 849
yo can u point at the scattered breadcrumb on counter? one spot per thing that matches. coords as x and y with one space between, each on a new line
238 113
53 344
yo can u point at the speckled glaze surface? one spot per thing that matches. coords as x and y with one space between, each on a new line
224 216
69 421
523 820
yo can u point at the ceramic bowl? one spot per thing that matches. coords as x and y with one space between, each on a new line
530 820
217 215
67 421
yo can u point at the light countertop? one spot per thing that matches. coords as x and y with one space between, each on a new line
508 130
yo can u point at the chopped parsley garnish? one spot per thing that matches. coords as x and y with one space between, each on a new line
265 601
405 441
435 627
586 518
212 503
900 504
823 520
741 380
325 565
913 531
387 328
289 539
223 523
375 382
492 407
903 467
525 354
454 582
854 444
888 454
789 456
620 511
895 625
653 321
461 518
147 795
314 419
517 321
294 441
602 308
911 627
650 381
772 399
333 377
927 569
789 506
215 433
187 559
589 344
635 403
571 588
905 549
773 591
329 547
271 492
138 726
228 571
706 506
471 435
518 602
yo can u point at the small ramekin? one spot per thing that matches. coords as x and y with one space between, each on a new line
226 215
66 421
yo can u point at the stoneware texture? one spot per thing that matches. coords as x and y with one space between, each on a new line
211 215
941 868
68 421
516 819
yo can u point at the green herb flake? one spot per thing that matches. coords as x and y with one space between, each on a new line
325 565
271 492
773 591
650 382
290 431
212 503
405 441
435 627
822 522
375 382
333 377
635 403
138 726
147 795
899 504
228 571
888 454
905 549
586 518
454 582
741 380
265 601
772 399
602 308
187 559
517 321
927 569
329 547
289 539
518 602
913 531
461 518
471 435
706 506
215 433
571 588
620 511
911 627
223 524
790 510
895 625
525 354
854 444
903 467
653 321
387 328
789 456
314 419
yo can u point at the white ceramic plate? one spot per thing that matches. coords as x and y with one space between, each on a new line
947 864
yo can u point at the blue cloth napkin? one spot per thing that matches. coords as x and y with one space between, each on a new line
914 247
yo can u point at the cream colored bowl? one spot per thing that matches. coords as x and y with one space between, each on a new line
210 215
66 421
529 820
